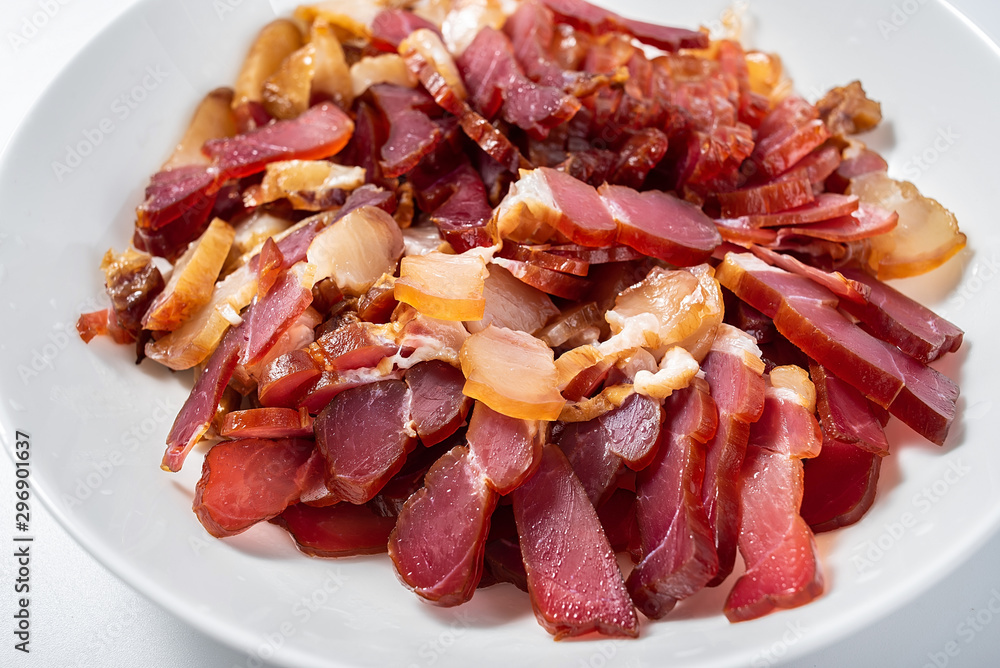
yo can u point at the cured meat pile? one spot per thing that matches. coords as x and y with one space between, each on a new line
505 289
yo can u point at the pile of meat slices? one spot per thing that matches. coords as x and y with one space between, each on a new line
506 289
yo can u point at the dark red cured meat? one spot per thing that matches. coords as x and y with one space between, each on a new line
271 316
548 281
285 377
507 450
846 416
437 405
176 193
678 546
412 133
895 318
783 568
364 438
806 314
597 468
618 518
826 206
815 167
786 427
340 530
661 225
789 133
573 577
638 156
440 535
101 323
132 282
540 255
597 255
586 383
597 21
738 390
865 162
353 345
867 221
248 481
392 26
497 84
531 29
502 561
847 289
317 133
267 423
582 215
839 485
176 211
321 392
768 198
199 408
269 265
460 209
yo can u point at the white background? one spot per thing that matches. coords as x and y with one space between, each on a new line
82 615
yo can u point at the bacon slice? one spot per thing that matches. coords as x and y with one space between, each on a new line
283 379
734 371
846 416
267 423
363 436
806 315
274 313
412 133
341 530
868 221
248 481
790 132
598 21
546 199
319 132
199 408
438 543
497 84
839 485
768 198
783 569
392 26
678 548
834 281
437 405
660 225
895 318
507 450
573 578
176 210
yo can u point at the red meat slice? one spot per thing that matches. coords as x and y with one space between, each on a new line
895 318
199 408
598 21
272 315
412 133
678 546
733 370
267 423
319 132
846 416
438 543
364 437
507 450
341 530
249 481
573 578
437 406
284 379
660 225
392 26
839 485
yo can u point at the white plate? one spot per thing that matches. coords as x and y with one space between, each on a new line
75 171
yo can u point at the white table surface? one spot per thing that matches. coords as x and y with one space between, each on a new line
82 615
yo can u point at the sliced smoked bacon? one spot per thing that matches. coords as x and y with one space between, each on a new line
734 371
439 539
248 481
806 314
783 568
600 449
340 530
573 577
498 85
678 549
507 450
364 436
